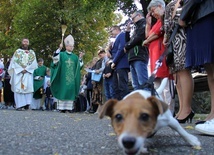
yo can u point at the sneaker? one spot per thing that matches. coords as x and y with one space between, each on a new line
96 112
91 111
206 128
4 107
11 108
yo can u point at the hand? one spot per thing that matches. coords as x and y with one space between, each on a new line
165 41
145 43
124 50
24 71
108 75
148 19
112 66
97 71
182 23
60 46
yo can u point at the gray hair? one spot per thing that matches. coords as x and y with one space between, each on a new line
139 12
155 3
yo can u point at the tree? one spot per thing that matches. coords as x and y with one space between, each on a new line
8 10
41 20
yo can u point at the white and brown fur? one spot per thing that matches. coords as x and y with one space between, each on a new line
138 116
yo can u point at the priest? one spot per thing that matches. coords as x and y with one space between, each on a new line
22 66
65 76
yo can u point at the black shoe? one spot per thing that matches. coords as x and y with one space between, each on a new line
62 111
188 118
41 109
91 111
71 111
26 107
20 109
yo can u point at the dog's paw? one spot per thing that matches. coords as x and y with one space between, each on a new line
194 141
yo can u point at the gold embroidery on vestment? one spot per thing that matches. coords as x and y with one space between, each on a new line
69 72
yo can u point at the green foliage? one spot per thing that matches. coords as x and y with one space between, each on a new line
41 20
201 102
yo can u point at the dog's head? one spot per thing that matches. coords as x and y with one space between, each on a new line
133 119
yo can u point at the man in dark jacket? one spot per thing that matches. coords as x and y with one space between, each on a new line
120 64
137 54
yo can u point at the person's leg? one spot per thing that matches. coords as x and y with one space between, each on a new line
123 82
210 77
51 104
116 92
141 71
106 89
135 83
111 87
185 81
178 88
46 103
89 98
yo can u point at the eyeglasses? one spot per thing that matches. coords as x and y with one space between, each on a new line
134 17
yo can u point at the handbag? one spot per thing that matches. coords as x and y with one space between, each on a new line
96 77
170 55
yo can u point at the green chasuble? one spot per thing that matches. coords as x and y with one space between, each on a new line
38 81
65 77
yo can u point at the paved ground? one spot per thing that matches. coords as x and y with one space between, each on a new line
53 133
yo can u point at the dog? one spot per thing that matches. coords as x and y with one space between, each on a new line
139 116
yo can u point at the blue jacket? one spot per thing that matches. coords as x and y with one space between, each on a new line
120 59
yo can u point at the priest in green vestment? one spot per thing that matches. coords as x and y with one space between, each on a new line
65 76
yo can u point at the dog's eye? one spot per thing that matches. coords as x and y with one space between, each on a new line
118 117
144 117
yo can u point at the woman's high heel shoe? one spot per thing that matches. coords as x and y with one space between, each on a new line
188 118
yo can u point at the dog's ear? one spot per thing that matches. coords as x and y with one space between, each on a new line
107 108
162 107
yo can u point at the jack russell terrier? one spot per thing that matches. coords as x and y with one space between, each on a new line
139 116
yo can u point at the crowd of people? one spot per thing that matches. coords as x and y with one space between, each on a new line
125 60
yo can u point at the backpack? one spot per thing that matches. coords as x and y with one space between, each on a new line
80 103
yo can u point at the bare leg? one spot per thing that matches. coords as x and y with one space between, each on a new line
210 77
178 88
186 92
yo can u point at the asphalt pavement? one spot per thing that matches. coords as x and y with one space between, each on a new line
53 133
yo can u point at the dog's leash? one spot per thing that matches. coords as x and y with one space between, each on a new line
149 85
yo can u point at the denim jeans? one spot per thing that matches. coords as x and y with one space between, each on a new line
139 73
108 86
49 103
120 83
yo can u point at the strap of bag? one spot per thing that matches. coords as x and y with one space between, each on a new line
169 42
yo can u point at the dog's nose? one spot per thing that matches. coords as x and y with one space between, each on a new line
128 142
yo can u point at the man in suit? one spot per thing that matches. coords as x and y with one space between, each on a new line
120 64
